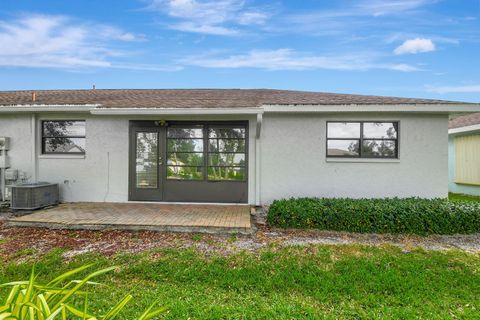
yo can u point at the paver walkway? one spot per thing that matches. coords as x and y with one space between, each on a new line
141 216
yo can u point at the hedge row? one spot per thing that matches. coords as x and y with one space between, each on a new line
409 216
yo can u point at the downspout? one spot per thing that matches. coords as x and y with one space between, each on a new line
258 149
33 128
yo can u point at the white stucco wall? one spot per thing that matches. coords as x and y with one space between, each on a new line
102 174
294 163
18 128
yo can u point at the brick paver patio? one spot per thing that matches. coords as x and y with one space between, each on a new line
141 216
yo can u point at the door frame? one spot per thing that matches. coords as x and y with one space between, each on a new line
151 194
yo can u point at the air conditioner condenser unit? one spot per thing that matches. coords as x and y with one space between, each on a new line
31 196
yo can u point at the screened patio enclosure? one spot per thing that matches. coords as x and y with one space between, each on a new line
188 161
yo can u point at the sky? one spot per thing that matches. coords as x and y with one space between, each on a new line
407 48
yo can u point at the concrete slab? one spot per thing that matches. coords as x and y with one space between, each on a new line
141 216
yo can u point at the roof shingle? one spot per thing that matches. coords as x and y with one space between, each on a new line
195 98
464 121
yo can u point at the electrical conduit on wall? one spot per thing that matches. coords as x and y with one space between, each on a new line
34 141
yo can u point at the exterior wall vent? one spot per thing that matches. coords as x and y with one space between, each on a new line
31 196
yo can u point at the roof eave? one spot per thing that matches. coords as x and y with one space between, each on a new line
176 111
33 108
97 109
463 130
450 109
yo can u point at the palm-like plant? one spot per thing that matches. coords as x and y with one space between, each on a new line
30 300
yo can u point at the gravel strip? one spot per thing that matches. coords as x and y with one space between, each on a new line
39 241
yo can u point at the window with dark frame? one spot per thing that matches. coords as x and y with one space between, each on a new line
63 137
226 153
362 139
206 152
185 153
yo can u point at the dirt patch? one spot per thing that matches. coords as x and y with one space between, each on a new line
15 241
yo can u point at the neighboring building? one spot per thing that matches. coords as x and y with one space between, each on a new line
237 146
464 155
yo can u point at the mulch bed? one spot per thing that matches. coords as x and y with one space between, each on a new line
39 241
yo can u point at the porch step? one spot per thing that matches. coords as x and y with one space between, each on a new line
159 228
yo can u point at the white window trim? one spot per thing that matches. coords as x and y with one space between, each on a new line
61 156
363 160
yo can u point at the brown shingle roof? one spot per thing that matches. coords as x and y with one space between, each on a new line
463 121
196 98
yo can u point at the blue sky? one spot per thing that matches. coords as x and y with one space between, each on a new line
413 48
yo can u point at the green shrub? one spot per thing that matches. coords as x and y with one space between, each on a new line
410 216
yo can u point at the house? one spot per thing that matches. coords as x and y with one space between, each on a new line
464 155
230 146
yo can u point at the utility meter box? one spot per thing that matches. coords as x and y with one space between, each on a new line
4 143
11 174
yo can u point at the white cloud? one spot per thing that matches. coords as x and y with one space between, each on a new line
404 67
114 33
252 17
351 19
58 42
388 7
208 16
474 88
204 29
288 59
416 45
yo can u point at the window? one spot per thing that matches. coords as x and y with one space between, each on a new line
226 153
63 137
185 159
362 139
206 152
146 160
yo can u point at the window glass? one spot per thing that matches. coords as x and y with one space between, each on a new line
343 130
231 133
146 160
379 139
185 159
185 145
380 130
63 128
185 156
227 159
63 136
226 145
64 145
226 173
378 148
185 132
184 173
226 153
343 148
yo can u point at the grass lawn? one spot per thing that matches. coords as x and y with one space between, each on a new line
462 197
331 282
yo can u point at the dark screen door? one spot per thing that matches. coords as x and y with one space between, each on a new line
146 163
